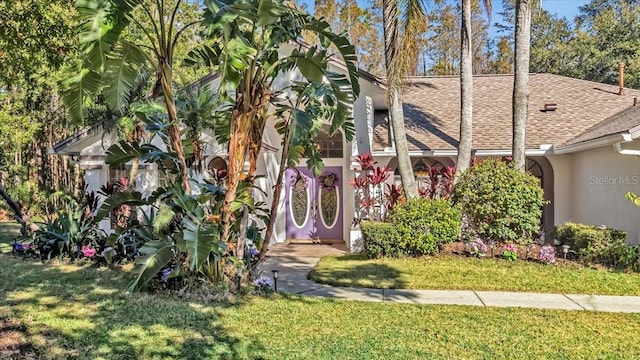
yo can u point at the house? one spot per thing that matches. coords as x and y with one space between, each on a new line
580 143
581 140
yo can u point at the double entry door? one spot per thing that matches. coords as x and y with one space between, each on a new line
314 204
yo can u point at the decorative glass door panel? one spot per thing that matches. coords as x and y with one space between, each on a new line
313 205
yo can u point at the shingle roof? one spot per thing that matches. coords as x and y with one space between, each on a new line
432 111
618 123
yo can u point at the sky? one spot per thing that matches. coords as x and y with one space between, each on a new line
563 8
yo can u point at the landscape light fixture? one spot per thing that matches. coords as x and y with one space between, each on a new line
492 244
529 246
565 251
275 280
466 243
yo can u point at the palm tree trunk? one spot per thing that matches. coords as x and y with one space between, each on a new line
394 96
174 132
521 81
238 143
466 93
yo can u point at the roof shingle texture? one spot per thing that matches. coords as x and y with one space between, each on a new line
432 111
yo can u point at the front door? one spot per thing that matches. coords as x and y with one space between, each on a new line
313 204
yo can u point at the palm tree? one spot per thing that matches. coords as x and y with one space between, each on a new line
397 57
521 81
248 36
111 63
466 88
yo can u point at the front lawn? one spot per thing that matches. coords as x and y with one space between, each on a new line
462 273
67 311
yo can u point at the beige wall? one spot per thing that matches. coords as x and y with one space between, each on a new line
562 187
600 180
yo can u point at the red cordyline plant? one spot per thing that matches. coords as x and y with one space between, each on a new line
369 188
440 183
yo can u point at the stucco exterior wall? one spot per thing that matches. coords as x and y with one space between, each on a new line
600 180
563 187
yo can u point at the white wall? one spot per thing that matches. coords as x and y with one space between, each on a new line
600 180
563 187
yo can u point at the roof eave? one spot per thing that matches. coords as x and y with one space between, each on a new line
593 144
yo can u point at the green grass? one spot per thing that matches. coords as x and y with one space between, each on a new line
8 231
462 273
82 313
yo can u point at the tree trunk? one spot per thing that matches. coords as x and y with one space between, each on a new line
22 218
133 173
277 189
394 96
521 81
238 143
174 132
466 93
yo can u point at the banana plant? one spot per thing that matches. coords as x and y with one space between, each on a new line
112 61
248 37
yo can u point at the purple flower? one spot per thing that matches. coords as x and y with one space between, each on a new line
164 274
253 250
479 246
18 247
547 254
263 282
106 250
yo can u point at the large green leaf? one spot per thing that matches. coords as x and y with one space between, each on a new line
122 69
116 200
77 90
158 253
201 240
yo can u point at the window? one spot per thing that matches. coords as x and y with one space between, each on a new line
421 171
116 173
330 146
218 168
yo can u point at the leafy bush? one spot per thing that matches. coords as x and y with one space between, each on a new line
381 239
500 202
599 245
581 236
422 224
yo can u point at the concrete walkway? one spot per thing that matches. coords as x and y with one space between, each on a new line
294 262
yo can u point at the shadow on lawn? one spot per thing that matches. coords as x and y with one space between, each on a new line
84 313
377 276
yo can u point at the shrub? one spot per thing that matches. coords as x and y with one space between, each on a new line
599 245
581 236
500 202
380 239
510 252
422 224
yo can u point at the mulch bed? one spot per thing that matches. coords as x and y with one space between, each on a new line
458 248
14 343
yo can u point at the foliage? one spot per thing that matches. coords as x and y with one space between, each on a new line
70 234
181 231
372 202
381 240
500 202
581 236
424 224
599 245
547 254
510 252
